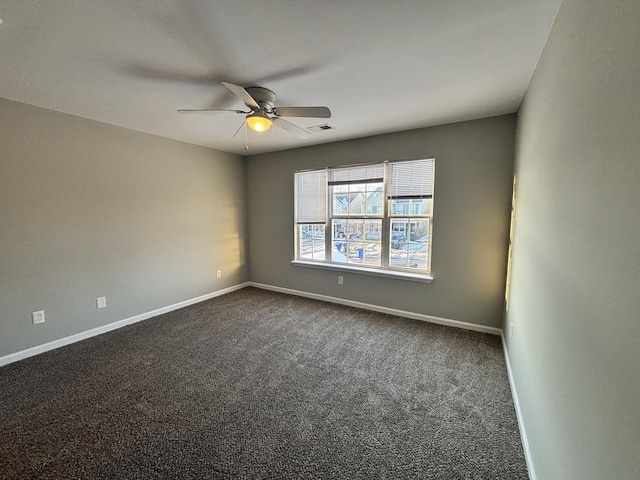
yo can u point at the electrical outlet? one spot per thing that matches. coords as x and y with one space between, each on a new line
37 317
510 330
340 280
101 302
219 274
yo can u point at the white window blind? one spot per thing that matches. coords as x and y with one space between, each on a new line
356 174
311 196
410 179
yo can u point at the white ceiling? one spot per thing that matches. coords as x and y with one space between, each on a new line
379 65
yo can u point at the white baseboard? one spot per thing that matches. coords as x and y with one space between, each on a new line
29 352
387 310
516 403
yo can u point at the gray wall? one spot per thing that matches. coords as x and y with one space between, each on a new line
88 210
474 162
575 295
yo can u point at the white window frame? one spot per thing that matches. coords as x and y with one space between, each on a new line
319 213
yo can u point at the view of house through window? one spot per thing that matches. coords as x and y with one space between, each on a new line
372 216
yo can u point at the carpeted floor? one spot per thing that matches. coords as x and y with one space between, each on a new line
257 384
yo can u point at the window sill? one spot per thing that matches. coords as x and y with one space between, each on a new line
413 277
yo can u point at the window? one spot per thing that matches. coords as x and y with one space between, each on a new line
375 217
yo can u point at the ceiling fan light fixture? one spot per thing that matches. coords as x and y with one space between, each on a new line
259 121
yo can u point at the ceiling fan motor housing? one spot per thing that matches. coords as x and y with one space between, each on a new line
263 97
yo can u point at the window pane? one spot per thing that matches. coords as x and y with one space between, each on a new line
374 199
420 206
373 230
399 207
409 243
372 254
372 247
339 228
399 232
339 241
311 242
419 231
355 246
340 202
357 199
355 230
409 255
355 252
348 203
357 202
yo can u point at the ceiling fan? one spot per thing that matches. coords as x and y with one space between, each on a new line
263 113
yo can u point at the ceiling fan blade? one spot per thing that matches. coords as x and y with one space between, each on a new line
291 128
208 110
242 94
316 112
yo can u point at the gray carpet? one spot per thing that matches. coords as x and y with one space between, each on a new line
257 384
